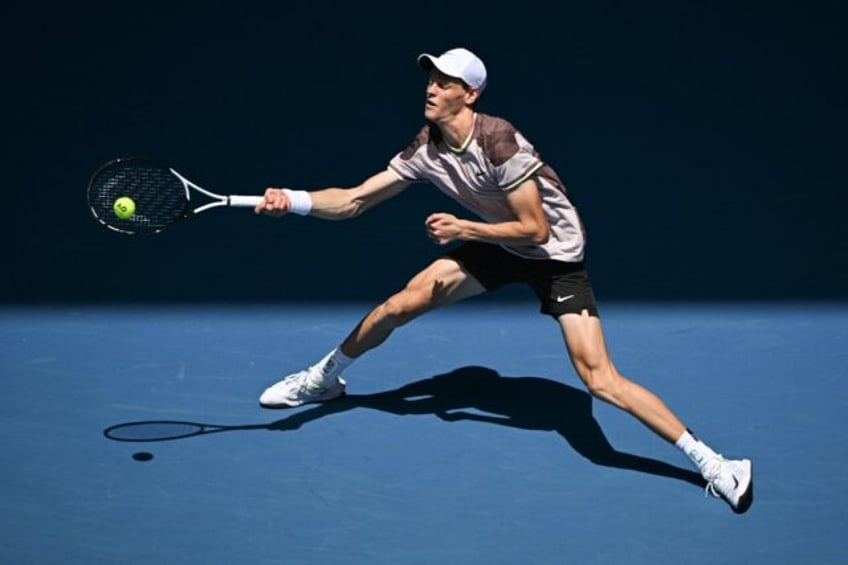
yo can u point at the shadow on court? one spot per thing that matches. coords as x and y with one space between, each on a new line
472 393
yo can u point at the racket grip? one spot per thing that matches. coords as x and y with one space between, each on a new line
244 201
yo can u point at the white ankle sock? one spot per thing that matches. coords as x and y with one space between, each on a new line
700 454
331 366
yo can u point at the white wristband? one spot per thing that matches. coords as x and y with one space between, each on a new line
301 202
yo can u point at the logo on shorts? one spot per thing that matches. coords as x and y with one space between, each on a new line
564 298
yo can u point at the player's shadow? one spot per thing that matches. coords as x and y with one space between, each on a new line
480 394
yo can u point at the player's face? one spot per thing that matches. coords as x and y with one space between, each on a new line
446 97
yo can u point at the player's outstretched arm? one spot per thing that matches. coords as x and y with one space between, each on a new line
332 203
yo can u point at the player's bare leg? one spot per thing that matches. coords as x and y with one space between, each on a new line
441 283
731 480
585 342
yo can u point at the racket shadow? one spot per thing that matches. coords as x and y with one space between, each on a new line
475 394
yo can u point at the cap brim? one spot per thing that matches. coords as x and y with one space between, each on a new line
426 62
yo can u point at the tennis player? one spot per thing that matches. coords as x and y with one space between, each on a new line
530 233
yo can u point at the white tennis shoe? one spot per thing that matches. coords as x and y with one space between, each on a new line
732 480
299 389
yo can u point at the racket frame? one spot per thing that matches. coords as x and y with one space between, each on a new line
218 200
234 200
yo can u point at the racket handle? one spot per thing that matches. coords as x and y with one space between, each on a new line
244 201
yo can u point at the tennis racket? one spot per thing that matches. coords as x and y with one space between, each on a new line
161 196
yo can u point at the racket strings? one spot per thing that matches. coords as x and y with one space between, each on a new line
159 196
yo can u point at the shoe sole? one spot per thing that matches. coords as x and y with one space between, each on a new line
284 405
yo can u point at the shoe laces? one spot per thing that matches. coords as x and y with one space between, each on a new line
298 381
710 490
303 383
714 474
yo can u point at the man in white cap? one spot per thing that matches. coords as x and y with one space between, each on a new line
530 233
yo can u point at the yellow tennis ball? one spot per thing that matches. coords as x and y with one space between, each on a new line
124 207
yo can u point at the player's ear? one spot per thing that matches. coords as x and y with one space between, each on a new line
471 96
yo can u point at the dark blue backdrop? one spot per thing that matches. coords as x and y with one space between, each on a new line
704 145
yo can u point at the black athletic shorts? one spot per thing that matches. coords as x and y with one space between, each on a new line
562 288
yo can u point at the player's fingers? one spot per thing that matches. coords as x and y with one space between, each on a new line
271 193
260 206
263 206
433 218
436 234
275 203
431 228
276 198
267 199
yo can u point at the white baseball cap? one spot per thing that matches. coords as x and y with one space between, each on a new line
457 63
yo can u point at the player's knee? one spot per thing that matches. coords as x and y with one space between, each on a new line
401 308
603 383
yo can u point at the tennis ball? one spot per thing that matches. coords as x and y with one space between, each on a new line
124 207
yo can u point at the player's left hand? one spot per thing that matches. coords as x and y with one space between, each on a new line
443 228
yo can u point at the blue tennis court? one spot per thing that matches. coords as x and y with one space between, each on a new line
466 438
